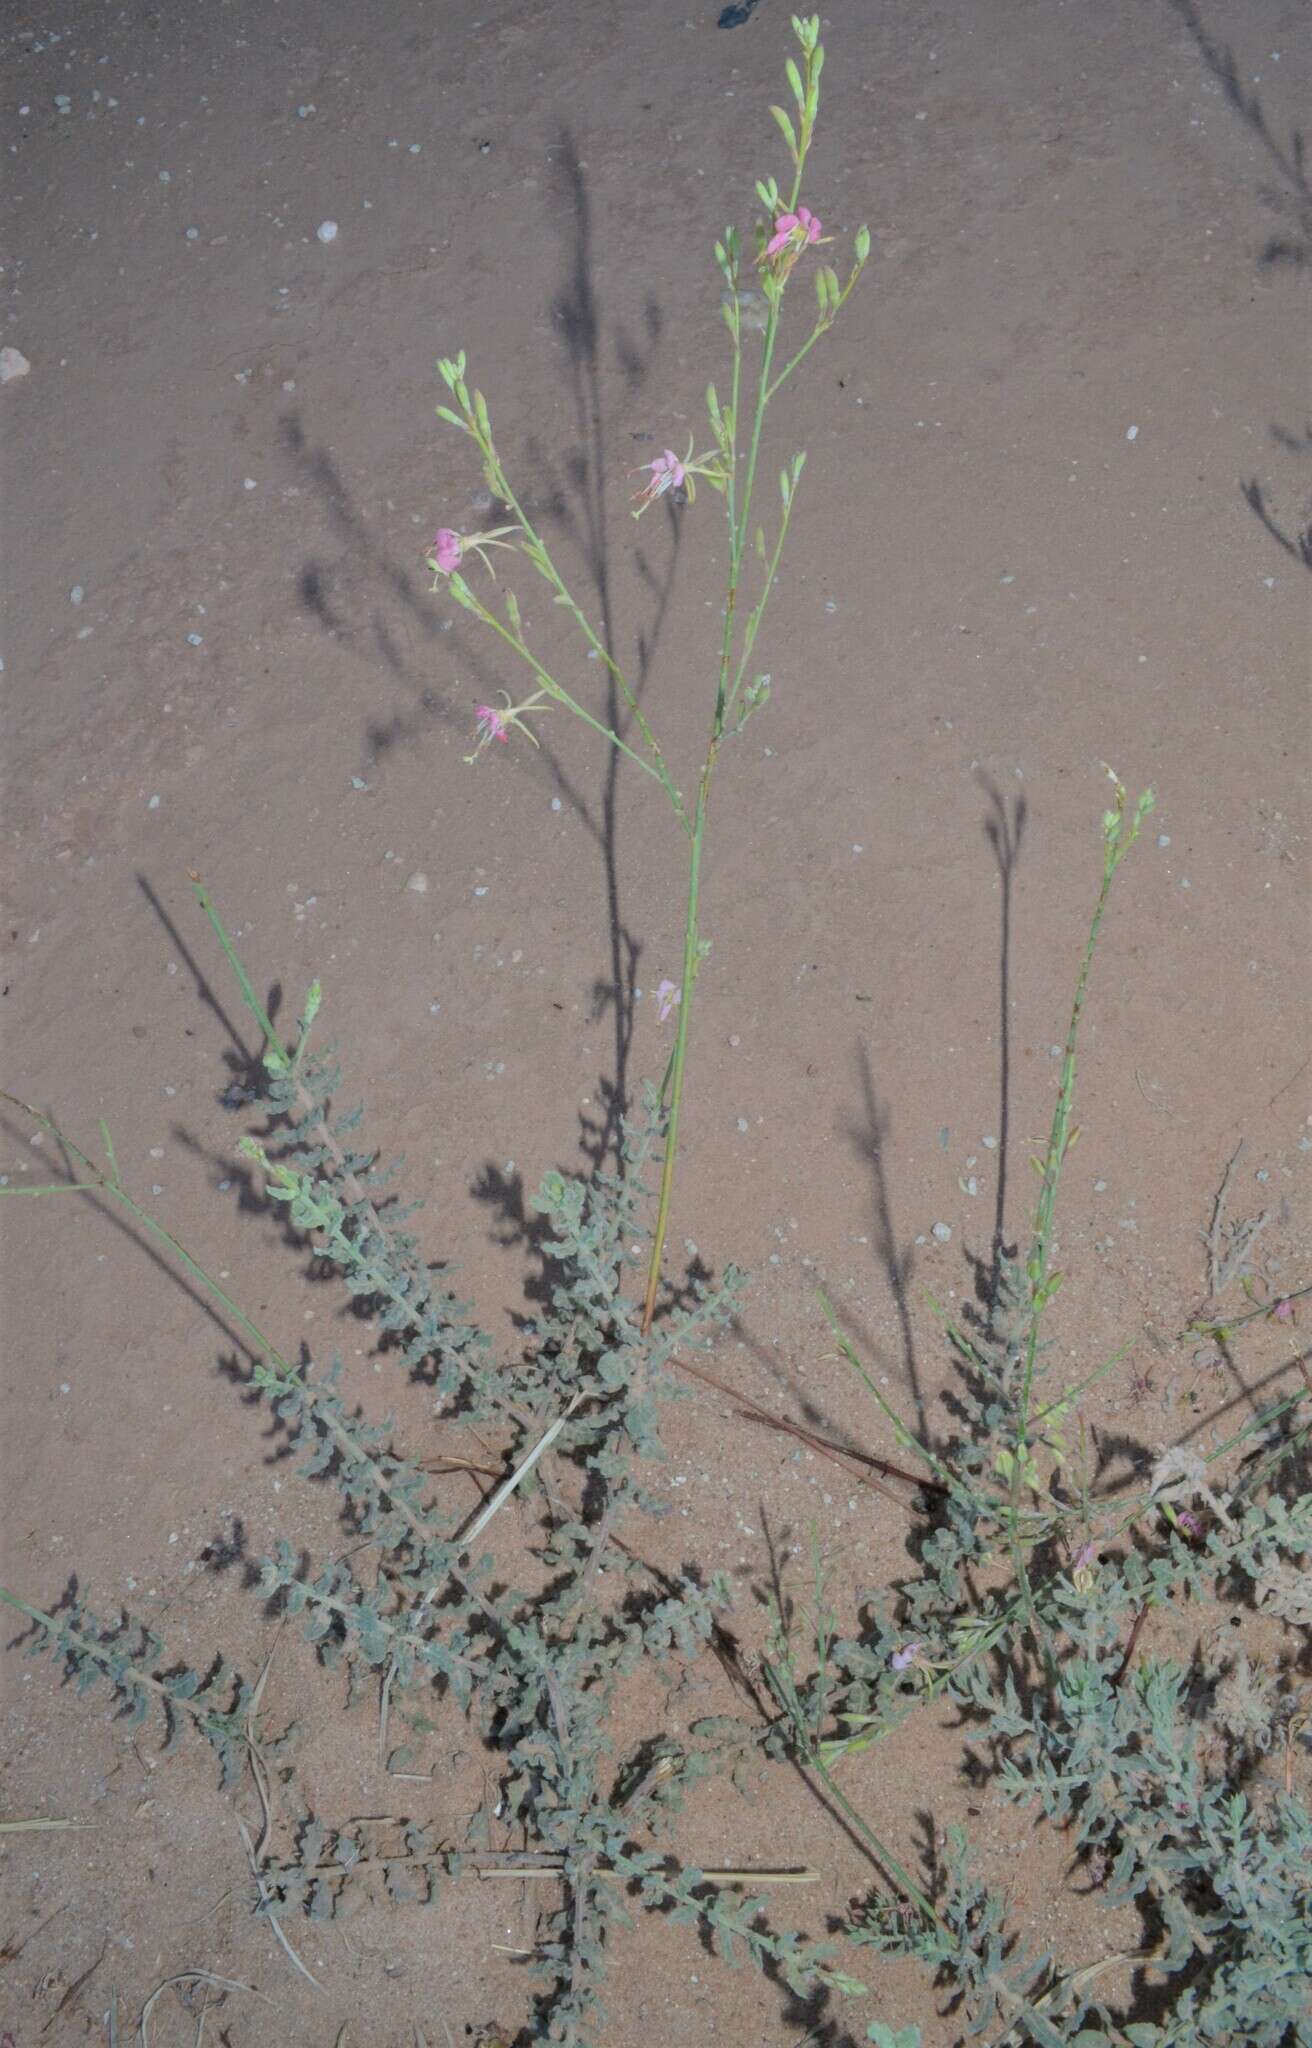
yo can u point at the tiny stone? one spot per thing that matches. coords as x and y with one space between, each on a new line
943 1233
195 640
1132 433
419 883
415 148
555 803
1163 839
482 891
193 234
1054 1052
248 483
166 177
153 805
990 1144
743 1124
13 363
76 594
358 782
327 231
1100 1187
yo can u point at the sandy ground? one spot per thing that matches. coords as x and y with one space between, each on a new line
1057 472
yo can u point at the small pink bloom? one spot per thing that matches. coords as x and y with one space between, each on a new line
666 475
668 994
448 548
906 1656
491 723
1283 1312
787 228
1189 1522
1086 1557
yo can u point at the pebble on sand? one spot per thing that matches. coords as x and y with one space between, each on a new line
13 363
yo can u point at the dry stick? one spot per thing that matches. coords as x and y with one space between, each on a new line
839 1453
76 1986
206 1977
267 1903
523 1864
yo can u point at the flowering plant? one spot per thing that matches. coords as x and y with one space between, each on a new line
790 231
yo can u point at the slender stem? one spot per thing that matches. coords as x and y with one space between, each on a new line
690 963
562 695
541 559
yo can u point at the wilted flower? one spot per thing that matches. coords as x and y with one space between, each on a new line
495 724
903 1659
668 995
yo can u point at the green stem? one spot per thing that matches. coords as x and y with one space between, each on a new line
562 696
679 1057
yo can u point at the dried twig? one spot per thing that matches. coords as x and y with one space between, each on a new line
1229 1244
267 1904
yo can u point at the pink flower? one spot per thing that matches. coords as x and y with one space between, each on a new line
1283 1312
668 994
447 549
906 1656
1086 1556
491 722
666 475
801 228
1189 1522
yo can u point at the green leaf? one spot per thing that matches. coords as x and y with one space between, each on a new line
794 77
862 245
785 127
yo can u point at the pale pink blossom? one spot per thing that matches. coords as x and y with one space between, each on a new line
1086 1556
800 228
904 1658
667 474
1283 1312
668 995
491 723
447 549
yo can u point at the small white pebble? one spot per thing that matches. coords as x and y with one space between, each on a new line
248 483
195 640
327 231
76 594
556 803
1163 839
481 891
743 1124
193 234
943 1233
166 177
153 804
1132 433
419 883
